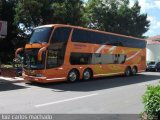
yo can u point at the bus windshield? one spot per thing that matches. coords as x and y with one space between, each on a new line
31 60
41 35
57 48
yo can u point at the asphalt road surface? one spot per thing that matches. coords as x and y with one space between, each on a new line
110 95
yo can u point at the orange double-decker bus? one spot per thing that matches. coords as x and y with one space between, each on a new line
62 52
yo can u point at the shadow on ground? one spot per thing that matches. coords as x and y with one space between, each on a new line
98 84
8 85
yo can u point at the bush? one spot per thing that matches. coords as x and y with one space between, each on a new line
151 100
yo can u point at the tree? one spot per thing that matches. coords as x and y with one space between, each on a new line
69 12
28 13
33 13
7 14
116 16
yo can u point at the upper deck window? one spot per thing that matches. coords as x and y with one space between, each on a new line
61 35
92 37
41 35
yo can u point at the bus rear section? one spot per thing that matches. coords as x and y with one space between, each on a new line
62 52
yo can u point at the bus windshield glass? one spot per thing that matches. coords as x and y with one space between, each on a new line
31 60
41 35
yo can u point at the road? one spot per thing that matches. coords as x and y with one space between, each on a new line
111 95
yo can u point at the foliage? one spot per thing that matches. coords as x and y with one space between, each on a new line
68 12
33 13
28 12
151 100
116 16
6 45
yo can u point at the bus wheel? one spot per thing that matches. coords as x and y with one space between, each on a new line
127 72
73 76
87 74
134 71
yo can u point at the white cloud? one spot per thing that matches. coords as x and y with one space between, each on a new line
154 26
157 25
157 4
146 4
151 18
131 3
154 22
151 7
150 33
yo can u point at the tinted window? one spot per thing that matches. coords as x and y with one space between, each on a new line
61 35
92 37
40 35
151 63
80 58
53 60
158 64
109 59
104 59
95 58
57 48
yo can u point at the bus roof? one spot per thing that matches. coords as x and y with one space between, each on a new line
79 27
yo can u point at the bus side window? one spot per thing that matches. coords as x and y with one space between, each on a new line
122 59
116 60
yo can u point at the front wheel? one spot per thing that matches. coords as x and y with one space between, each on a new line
73 76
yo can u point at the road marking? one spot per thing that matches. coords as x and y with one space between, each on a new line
66 100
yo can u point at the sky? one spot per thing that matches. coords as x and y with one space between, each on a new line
152 8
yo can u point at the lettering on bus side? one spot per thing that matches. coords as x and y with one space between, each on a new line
79 46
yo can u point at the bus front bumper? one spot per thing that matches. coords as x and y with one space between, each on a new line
42 79
34 78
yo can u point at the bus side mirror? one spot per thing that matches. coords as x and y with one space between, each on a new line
17 51
40 53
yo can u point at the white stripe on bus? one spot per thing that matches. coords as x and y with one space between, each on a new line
57 78
133 55
109 74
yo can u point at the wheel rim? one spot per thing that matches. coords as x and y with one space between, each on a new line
127 72
86 75
134 71
72 76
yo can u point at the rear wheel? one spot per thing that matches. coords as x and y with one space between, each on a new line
73 76
127 71
134 71
87 74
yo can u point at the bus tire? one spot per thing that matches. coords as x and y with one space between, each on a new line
134 70
73 76
127 72
87 74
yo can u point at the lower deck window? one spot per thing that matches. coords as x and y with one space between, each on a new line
96 58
